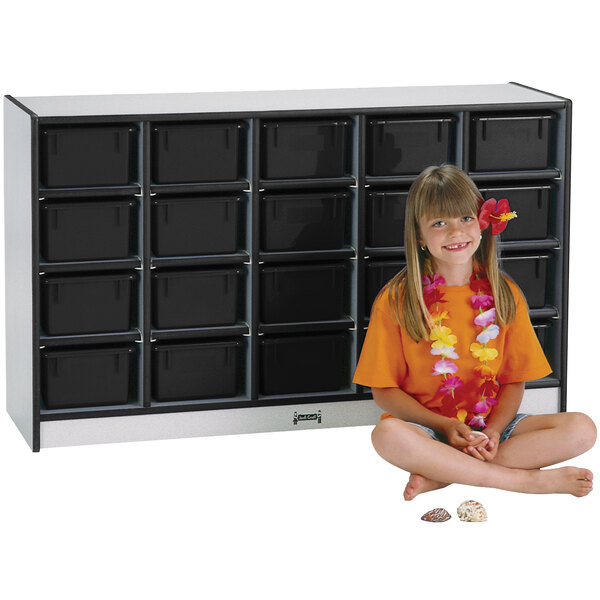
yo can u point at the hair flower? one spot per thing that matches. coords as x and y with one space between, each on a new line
495 213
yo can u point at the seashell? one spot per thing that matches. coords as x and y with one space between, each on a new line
471 510
436 515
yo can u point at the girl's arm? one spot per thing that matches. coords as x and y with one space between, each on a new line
509 400
402 405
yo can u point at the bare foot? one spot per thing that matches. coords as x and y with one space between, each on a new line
417 484
565 480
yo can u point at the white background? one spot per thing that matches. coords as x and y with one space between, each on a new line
287 515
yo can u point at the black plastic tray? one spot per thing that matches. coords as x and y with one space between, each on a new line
532 205
195 370
87 156
303 221
304 149
195 225
75 304
196 152
405 146
77 378
530 273
304 363
194 298
86 229
510 141
385 218
306 292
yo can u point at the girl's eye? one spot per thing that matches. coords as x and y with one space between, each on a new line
439 223
468 218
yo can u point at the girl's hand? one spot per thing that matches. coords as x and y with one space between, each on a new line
460 435
486 451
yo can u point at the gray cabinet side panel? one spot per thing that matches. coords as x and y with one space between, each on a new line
18 279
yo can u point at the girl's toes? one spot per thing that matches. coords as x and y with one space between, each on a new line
585 488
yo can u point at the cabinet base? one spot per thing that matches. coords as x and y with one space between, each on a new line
259 419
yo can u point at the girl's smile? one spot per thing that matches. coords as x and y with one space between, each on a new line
456 247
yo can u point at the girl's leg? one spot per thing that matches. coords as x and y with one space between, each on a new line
399 443
537 441
543 440
417 484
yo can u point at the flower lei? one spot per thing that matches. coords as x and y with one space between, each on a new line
496 213
444 341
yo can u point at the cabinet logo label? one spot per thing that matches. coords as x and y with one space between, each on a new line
298 417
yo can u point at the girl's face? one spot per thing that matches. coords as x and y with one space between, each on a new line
451 241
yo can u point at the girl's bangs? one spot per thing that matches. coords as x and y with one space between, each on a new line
447 203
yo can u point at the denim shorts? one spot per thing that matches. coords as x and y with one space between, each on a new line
440 437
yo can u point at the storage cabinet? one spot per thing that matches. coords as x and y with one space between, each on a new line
202 264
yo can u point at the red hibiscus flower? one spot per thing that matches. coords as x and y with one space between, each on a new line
449 406
489 388
433 297
481 285
495 213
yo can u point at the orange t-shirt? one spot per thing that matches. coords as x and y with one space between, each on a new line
391 358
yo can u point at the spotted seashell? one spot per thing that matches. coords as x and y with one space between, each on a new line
436 515
471 510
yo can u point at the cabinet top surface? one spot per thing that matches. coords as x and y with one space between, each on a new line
351 99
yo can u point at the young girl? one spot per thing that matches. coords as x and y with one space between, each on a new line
448 350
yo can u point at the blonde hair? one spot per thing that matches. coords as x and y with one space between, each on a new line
448 192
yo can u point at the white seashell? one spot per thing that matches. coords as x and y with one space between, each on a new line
471 510
436 515
479 433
